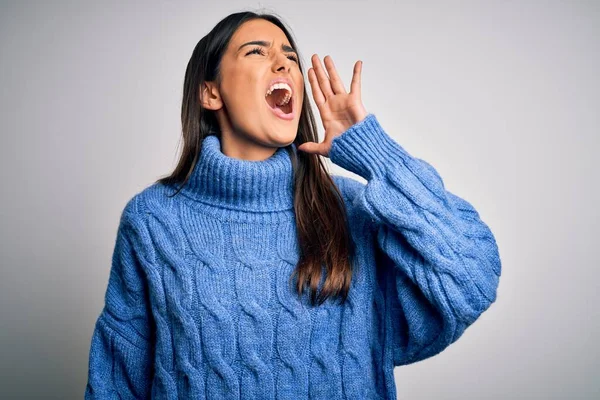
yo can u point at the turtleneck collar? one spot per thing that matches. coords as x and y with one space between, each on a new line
244 185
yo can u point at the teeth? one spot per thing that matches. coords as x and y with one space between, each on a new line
281 85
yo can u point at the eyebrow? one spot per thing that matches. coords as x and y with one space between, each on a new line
264 43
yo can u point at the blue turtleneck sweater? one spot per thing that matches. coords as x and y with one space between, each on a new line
198 303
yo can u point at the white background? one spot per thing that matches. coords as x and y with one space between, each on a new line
502 98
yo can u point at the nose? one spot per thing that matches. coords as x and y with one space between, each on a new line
282 62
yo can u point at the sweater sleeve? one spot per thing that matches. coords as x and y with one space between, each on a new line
442 260
120 358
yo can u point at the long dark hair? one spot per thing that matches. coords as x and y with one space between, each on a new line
321 220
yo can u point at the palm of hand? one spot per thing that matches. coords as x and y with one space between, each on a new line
339 110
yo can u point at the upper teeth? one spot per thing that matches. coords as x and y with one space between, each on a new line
281 85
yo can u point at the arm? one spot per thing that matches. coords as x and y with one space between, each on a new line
120 360
442 259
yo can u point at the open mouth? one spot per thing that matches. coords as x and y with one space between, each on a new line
281 103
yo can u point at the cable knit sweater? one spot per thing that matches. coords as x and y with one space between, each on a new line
199 304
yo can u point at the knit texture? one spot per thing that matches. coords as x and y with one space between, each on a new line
200 304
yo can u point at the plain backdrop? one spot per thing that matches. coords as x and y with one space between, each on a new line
502 98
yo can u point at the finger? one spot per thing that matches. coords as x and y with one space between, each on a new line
312 148
322 76
336 82
316 90
356 78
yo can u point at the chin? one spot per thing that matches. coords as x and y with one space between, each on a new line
282 136
283 141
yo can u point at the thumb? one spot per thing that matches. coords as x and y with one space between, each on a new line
311 147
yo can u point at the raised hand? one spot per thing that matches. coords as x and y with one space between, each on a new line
339 110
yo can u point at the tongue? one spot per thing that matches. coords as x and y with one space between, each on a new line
277 107
276 97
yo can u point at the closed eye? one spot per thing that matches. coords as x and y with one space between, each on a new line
259 50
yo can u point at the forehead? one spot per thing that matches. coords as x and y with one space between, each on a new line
257 29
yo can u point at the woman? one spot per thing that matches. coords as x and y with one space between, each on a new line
250 272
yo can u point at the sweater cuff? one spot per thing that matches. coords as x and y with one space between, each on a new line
366 149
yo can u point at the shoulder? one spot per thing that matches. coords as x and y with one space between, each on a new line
352 191
155 196
349 187
138 217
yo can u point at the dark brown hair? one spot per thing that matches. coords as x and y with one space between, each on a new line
321 220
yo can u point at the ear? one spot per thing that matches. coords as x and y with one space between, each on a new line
210 98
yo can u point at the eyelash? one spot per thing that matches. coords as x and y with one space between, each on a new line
260 51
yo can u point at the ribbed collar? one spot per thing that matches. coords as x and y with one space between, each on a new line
236 184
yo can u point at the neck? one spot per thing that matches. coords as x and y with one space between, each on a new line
229 183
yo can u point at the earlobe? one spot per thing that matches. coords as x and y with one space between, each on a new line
210 97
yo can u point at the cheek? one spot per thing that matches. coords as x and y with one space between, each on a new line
236 93
243 86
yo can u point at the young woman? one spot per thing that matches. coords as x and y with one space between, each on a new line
251 272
